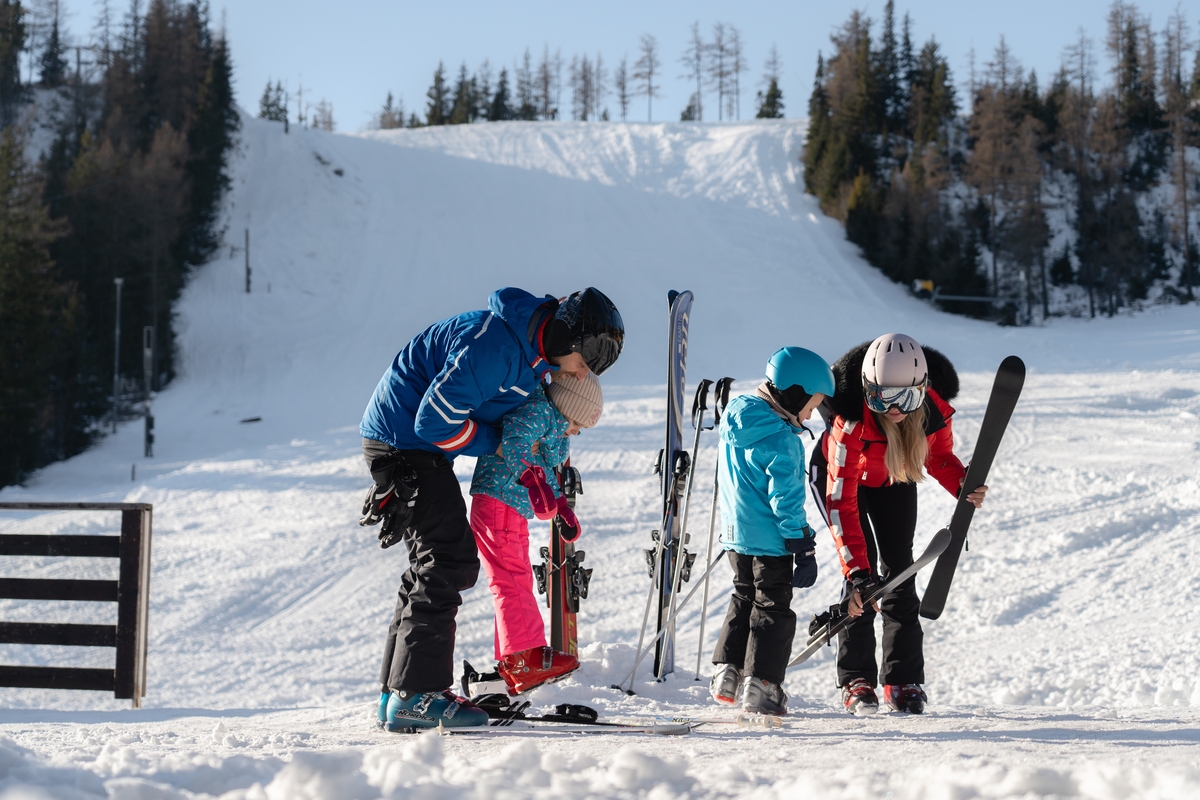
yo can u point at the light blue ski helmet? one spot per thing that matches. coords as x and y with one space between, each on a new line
796 366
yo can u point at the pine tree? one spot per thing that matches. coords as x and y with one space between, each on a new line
272 104
53 63
526 102
501 108
437 111
12 42
770 105
464 101
890 80
391 116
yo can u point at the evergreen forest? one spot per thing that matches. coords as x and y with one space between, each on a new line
128 189
1060 194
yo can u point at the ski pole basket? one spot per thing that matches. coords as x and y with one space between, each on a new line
131 593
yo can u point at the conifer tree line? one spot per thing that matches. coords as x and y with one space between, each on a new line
129 189
587 87
1072 196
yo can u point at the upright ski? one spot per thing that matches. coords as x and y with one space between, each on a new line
826 625
1006 390
560 576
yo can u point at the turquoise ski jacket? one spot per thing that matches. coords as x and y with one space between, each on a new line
761 479
535 420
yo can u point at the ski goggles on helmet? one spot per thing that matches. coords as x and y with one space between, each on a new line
905 398
599 350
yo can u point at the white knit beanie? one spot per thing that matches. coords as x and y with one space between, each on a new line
580 401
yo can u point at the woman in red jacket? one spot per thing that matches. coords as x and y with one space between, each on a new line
890 418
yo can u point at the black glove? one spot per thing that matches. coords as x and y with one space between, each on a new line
805 550
391 498
378 504
864 583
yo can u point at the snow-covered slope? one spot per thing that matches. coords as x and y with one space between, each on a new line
1066 663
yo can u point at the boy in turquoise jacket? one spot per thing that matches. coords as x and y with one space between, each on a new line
770 545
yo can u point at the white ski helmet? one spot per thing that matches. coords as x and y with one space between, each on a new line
895 360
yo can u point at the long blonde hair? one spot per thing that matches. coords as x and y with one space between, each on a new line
907 446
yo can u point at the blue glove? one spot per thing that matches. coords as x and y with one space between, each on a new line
805 550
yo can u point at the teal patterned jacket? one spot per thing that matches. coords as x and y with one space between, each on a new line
534 420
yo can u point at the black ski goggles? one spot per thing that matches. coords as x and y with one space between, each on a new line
600 351
905 398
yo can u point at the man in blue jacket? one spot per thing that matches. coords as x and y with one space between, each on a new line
771 547
443 396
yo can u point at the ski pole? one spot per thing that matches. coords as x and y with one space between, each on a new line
642 653
699 406
720 400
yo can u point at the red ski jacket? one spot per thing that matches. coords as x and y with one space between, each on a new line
855 452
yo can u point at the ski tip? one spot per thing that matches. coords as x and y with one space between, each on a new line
1014 367
671 295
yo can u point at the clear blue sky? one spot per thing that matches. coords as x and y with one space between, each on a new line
353 52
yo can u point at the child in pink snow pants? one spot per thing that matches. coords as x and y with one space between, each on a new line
507 489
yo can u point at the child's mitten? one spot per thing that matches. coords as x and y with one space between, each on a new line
540 495
569 530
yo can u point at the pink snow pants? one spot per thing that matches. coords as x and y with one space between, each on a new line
503 539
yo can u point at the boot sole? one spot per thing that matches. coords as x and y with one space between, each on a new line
863 710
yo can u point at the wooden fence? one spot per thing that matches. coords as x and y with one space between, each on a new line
131 593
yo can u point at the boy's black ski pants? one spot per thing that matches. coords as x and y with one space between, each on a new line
760 624
442 563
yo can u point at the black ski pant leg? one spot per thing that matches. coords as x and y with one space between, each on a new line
772 621
735 632
889 519
903 639
760 624
443 562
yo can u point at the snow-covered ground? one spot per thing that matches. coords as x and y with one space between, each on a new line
1068 660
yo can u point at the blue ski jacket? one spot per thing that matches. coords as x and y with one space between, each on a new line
446 391
761 468
535 420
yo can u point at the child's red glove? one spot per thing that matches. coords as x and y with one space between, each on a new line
569 530
540 495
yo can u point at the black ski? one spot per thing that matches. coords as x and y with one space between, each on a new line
1006 390
828 624
503 712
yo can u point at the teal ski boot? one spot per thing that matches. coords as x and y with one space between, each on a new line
408 712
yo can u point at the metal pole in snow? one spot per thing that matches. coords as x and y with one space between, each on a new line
117 355
247 261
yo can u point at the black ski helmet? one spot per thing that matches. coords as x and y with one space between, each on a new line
587 323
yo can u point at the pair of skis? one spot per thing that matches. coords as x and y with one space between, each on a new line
947 544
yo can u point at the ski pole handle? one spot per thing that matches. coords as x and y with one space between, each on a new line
700 402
